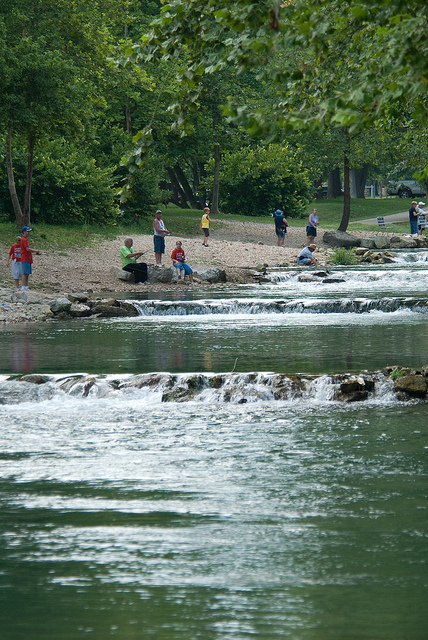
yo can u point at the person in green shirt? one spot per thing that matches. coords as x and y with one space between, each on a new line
129 262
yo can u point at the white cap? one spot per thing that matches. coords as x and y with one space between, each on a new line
421 204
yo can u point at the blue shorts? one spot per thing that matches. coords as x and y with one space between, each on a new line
26 268
183 267
311 231
281 233
159 243
302 260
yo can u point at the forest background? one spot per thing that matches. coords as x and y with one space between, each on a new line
111 108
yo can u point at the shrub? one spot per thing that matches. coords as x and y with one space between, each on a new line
69 187
343 256
256 181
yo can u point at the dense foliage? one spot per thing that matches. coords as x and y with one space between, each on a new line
258 180
182 89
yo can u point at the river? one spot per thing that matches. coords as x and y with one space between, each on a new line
231 514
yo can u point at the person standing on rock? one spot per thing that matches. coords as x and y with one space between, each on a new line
15 257
311 228
205 225
281 225
413 219
130 264
26 257
159 231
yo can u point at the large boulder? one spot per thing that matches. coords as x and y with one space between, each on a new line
413 385
211 274
163 275
113 309
403 242
367 243
126 276
340 239
59 305
78 297
380 242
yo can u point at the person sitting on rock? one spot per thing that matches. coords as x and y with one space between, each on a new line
178 261
129 262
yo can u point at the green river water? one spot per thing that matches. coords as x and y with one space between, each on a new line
122 516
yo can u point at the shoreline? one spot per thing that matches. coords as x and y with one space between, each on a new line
238 248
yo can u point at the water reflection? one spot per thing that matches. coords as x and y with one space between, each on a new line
22 351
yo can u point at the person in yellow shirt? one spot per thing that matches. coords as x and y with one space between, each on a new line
205 225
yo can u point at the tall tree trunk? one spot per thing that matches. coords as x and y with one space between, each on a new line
190 196
358 178
11 181
216 183
197 171
29 181
334 187
177 188
347 195
202 192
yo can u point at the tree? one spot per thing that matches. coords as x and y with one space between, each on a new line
260 179
335 64
51 54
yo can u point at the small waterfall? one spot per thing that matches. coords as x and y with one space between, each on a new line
411 258
234 388
249 306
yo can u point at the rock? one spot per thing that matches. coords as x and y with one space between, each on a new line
77 297
284 387
422 241
129 307
80 311
19 296
321 274
380 242
340 239
332 280
160 274
212 274
354 389
60 304
121 274
34 379
367 243
113 309
401 242
307 277
413 385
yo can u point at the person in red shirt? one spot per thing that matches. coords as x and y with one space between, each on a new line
178 261
15 257
26 257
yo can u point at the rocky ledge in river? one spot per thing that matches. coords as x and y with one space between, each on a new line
393 383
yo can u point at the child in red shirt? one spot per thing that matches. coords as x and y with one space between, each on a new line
178 257
26 257
15 257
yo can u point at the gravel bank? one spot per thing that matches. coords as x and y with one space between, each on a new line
236 247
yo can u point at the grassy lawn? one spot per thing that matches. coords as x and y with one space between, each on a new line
186 222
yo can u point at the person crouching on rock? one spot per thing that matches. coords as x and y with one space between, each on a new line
178 261
129 262
306 257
